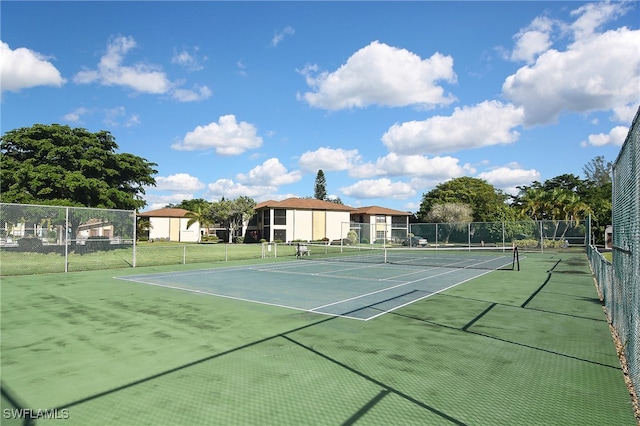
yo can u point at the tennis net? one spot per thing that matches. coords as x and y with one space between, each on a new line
493 258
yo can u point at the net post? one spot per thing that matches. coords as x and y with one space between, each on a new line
66 240
135 238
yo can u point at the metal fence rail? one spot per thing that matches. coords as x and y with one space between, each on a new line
532 235
619 281
39 239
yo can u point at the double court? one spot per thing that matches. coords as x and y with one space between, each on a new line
293 342
345 288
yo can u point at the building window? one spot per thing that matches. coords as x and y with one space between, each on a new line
380 235
265 218
280 235
381 219
280 217
399 221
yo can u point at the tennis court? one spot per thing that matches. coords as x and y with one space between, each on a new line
353 283
294 342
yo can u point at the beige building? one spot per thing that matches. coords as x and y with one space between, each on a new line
299 219
375 223
293 219
171 224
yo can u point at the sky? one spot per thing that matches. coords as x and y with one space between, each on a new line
388 99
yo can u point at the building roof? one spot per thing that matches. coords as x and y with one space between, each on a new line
373 210
314 204
303 204
166 212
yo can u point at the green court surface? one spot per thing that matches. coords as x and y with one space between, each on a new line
254 344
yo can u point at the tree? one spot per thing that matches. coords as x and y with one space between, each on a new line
200 214
487 202
242 209
560 200
55 164
598 194
232 214
320 188
598 171
457 215
191 205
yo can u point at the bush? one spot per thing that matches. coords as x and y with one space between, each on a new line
352 237
238 240
30 244
209 239
94 244
526 244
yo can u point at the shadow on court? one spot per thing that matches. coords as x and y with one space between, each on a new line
530 347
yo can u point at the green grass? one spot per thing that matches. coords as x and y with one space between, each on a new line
528 347
147 254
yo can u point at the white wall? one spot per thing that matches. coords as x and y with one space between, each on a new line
334 224
299 224
161 227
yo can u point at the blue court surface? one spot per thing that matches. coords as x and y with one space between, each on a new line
351 290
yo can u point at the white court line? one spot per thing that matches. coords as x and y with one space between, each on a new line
208 293
428 295
204 271
273 267
384 289
333 274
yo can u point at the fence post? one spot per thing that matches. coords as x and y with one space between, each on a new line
135 238
66 239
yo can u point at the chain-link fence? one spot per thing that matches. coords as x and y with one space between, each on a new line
526 235
36 239
39 239
619 281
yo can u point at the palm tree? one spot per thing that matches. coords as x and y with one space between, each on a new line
200 215
534 203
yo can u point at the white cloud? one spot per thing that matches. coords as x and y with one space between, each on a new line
227 137
412 165
228 189
141 77
198 93
533 40
242 69
625 113
329 159
188 60
615 137
280 35
379 188
383 75
485 124
270 173
507 178
593 15
598 71
23 68
117 117
158 201
179 182
75 116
